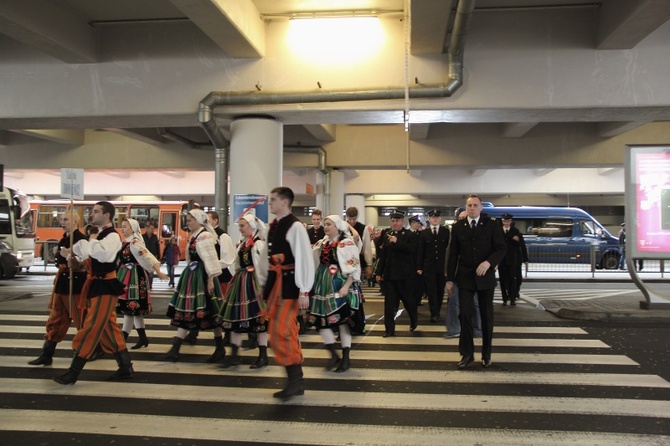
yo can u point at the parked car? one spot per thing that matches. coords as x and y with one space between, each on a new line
561 234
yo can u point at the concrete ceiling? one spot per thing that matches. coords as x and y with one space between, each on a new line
69 30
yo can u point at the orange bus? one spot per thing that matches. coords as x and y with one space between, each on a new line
166 217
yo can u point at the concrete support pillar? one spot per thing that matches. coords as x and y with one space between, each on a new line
336 198
256 159
371 216
357 201
221 163
320 191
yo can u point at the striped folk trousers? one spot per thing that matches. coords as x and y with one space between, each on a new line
100 326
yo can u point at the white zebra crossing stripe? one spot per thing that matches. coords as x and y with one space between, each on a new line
297 432
372 374
417 341
342 398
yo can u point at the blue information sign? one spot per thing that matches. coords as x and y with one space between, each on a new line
256 204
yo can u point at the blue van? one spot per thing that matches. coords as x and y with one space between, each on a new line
560 234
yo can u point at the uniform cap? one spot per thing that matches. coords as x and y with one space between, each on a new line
434 213
396 213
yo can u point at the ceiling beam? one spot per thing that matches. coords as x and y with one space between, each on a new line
542 172
236 27
517 129
418 132
149 136
611 129
429 25
61 136
322 132
48 27
622 24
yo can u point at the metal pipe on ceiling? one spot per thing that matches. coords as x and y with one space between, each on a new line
214 99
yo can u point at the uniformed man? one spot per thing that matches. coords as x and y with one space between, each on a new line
396 267
432 255
476 248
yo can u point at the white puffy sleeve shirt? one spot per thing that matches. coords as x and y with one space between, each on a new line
206 249
302 252
142 254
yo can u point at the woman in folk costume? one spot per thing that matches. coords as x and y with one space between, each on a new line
334 298
197 299
244 304
134 262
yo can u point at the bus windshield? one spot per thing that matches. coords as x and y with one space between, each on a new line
5 222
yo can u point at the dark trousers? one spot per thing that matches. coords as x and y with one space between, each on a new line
435 284
395 292
508 281
466 345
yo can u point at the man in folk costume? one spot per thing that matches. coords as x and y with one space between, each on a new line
290 278
64 307
102 289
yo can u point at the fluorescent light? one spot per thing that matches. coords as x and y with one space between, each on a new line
333 41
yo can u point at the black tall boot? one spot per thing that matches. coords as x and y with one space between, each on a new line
173 354
46 358
233 359
219 351
70 377
262 360
295 385
143 341
125 370
334 357
345 363
302 328
192 336
226 337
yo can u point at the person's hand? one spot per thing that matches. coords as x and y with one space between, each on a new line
393 239
483 268
419 272
450 288
344 291
303 301
65 252
378 278
210 285
161 275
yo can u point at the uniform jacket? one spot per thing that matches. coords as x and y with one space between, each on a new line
469 248
397 261
513 255
432 250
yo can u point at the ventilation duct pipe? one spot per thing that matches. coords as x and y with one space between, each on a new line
455 80
215 99
321 153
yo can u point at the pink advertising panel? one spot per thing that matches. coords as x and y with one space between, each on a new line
648 201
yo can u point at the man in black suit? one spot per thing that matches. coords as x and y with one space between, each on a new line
509 269
432 255
477 247
396 268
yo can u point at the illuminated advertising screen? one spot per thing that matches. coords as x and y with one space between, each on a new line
648 202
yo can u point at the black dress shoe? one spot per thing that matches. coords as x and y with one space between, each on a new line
465 361
504 303
412 327
433 319
486 362
513 304
388 333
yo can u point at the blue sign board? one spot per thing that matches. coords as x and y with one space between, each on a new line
256 204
